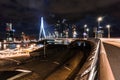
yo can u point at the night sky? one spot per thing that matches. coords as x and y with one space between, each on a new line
25 14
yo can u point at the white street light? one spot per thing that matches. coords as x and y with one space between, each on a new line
108 27
85 25
84 34
87 32
32 46
18 46
99 19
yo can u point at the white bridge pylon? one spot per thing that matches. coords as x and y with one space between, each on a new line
42 30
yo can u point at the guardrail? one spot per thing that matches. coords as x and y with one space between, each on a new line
93 66
90 68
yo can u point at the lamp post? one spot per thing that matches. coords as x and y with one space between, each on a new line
84 34
85 26
108 27
87 32
99 19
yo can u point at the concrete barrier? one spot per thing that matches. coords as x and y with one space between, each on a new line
105 69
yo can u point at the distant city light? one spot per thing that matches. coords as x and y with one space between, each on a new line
100 32
13 30
108 26
18 46
100 19
87 29
84 34
32 46
85 25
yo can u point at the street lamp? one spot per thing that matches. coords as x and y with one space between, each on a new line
85 26
87 32
99 19
84 34
99 34
108 27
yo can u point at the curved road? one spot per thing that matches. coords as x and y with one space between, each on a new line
63 59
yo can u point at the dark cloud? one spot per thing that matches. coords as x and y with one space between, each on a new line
40 7
30 10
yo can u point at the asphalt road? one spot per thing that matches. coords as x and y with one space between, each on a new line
58 58
113 54
41 66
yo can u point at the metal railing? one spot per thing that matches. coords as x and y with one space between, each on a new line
90 70
93 66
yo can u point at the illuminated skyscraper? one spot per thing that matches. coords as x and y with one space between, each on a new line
74 31
9 32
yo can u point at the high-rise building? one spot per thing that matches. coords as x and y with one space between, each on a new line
9 32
